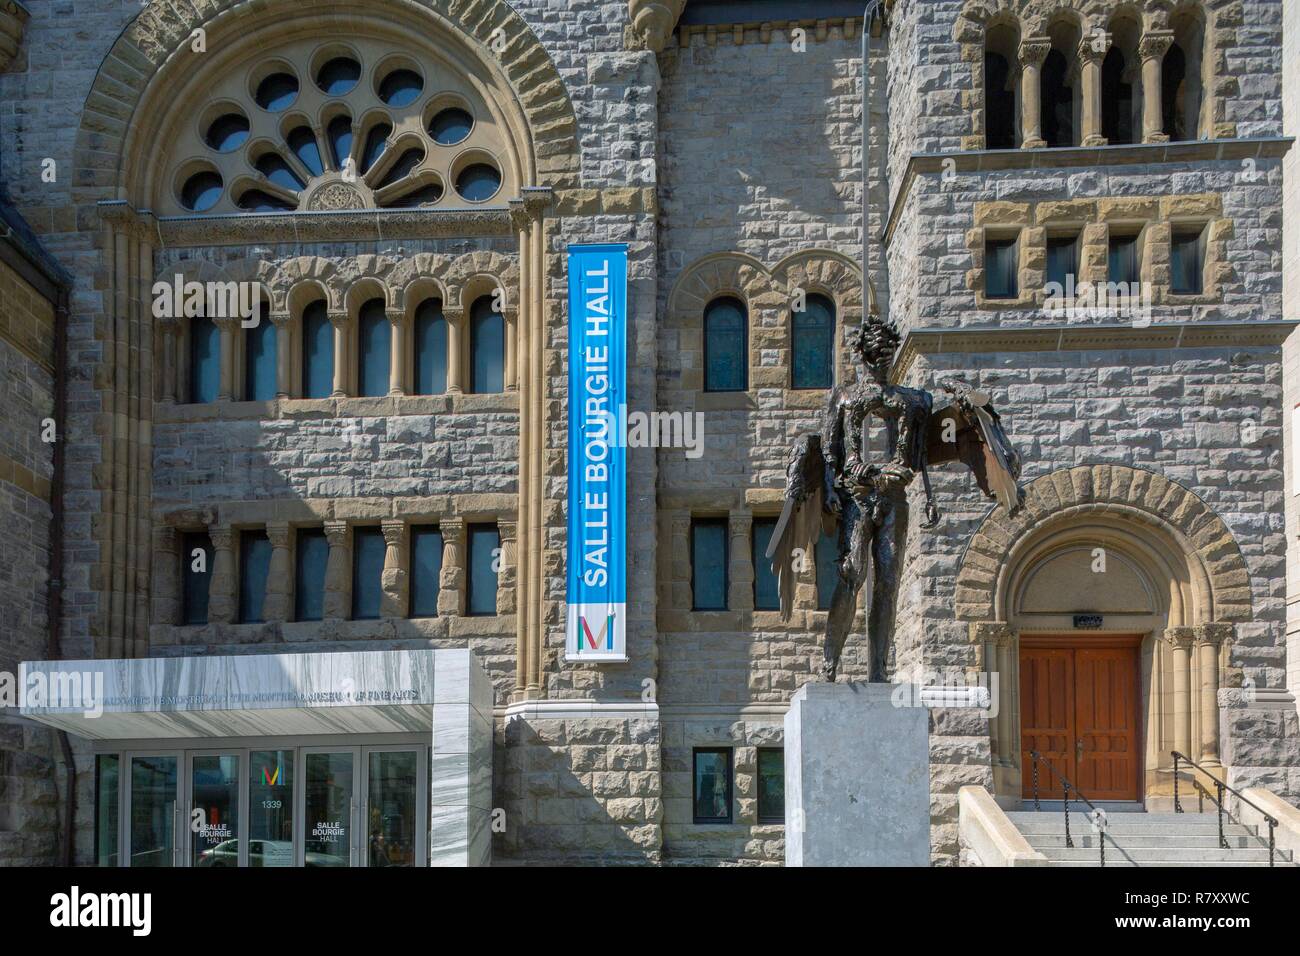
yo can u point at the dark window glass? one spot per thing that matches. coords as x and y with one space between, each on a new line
373 336
484 549
196 574
813 344
313 552
303 143
339 133
215 784
1000 266
712 784
401 87
338 75
771 785
1062 260
451 126
1173 93
478 182
1057 101
270 806
826 555
254 566
317 352
726 346
766 595
376 143
1116 99
487 343
254 200
709 564
1187 261
274 167
430 349
276 91
205 359
368 550
403 165
260 358
1123 259
999 103
107 770
426 570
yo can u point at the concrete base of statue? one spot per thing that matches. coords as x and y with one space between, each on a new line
857 777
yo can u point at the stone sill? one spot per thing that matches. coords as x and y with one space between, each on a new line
291 632
742 622
391 406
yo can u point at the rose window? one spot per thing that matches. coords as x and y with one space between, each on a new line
318 127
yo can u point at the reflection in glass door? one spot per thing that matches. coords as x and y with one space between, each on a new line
153 810
329 805
270 808
214 810
391 801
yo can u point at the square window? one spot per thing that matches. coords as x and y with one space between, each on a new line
1000 268
426 570
1063 262
1187 261
709 564
1123 265
313 553
254 568
484 543
767 597
711 773
368 551
771 785
196 574
826 556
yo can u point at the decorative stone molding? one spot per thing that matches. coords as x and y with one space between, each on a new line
1144 497
819 30
13 21
652 23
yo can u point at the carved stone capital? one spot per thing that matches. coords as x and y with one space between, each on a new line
997 633
519 216
1180 638
453 314
1089 52
453 530
336 533
277 532
653 22
223 538
1033 50
339 320
1215 633
394 531
281 319
1155 44
396 316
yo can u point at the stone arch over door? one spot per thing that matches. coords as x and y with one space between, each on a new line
1148 556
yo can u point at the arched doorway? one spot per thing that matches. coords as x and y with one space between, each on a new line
1105 607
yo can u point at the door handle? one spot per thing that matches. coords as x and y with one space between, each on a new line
1078 749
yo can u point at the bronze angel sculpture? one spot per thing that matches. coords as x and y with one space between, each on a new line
832 487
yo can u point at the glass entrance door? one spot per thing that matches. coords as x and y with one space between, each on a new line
214 811
394 792
329 806
152 809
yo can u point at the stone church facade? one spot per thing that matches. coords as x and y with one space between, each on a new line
400 181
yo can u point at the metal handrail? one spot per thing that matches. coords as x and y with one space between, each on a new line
1066 787
1217 797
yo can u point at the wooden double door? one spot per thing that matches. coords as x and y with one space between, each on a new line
1079 707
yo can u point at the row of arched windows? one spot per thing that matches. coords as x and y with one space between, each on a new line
1120 85
726 344
355 358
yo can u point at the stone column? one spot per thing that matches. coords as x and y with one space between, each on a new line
455 349
278 605
511 315
338 583
1151 50
171 341
1210 638
1033 51
394 601
740 571
166 591
451 585
1180 643
339 320
679 556
223 603
1090 60
507 579
226 388
283 355
397 352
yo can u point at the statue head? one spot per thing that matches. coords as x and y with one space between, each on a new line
875 344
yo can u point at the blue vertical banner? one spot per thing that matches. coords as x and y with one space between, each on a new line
597 584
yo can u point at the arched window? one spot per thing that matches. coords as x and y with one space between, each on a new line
260 358
374 350
1061 86
1121 84
205 359
726 346
812 344
317 352
1001 87
1183 80
487 346
430 348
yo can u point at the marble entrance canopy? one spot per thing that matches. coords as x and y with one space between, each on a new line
248 695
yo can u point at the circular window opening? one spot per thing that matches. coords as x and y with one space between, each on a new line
277 91
201 191
401 87
228 132
255 200
478 182
338 75
451 126
424 196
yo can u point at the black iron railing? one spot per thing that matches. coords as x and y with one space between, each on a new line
1217 798
1098 816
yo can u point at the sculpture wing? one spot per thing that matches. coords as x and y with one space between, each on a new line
968 429
803 517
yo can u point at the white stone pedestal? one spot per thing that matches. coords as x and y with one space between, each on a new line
857 777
